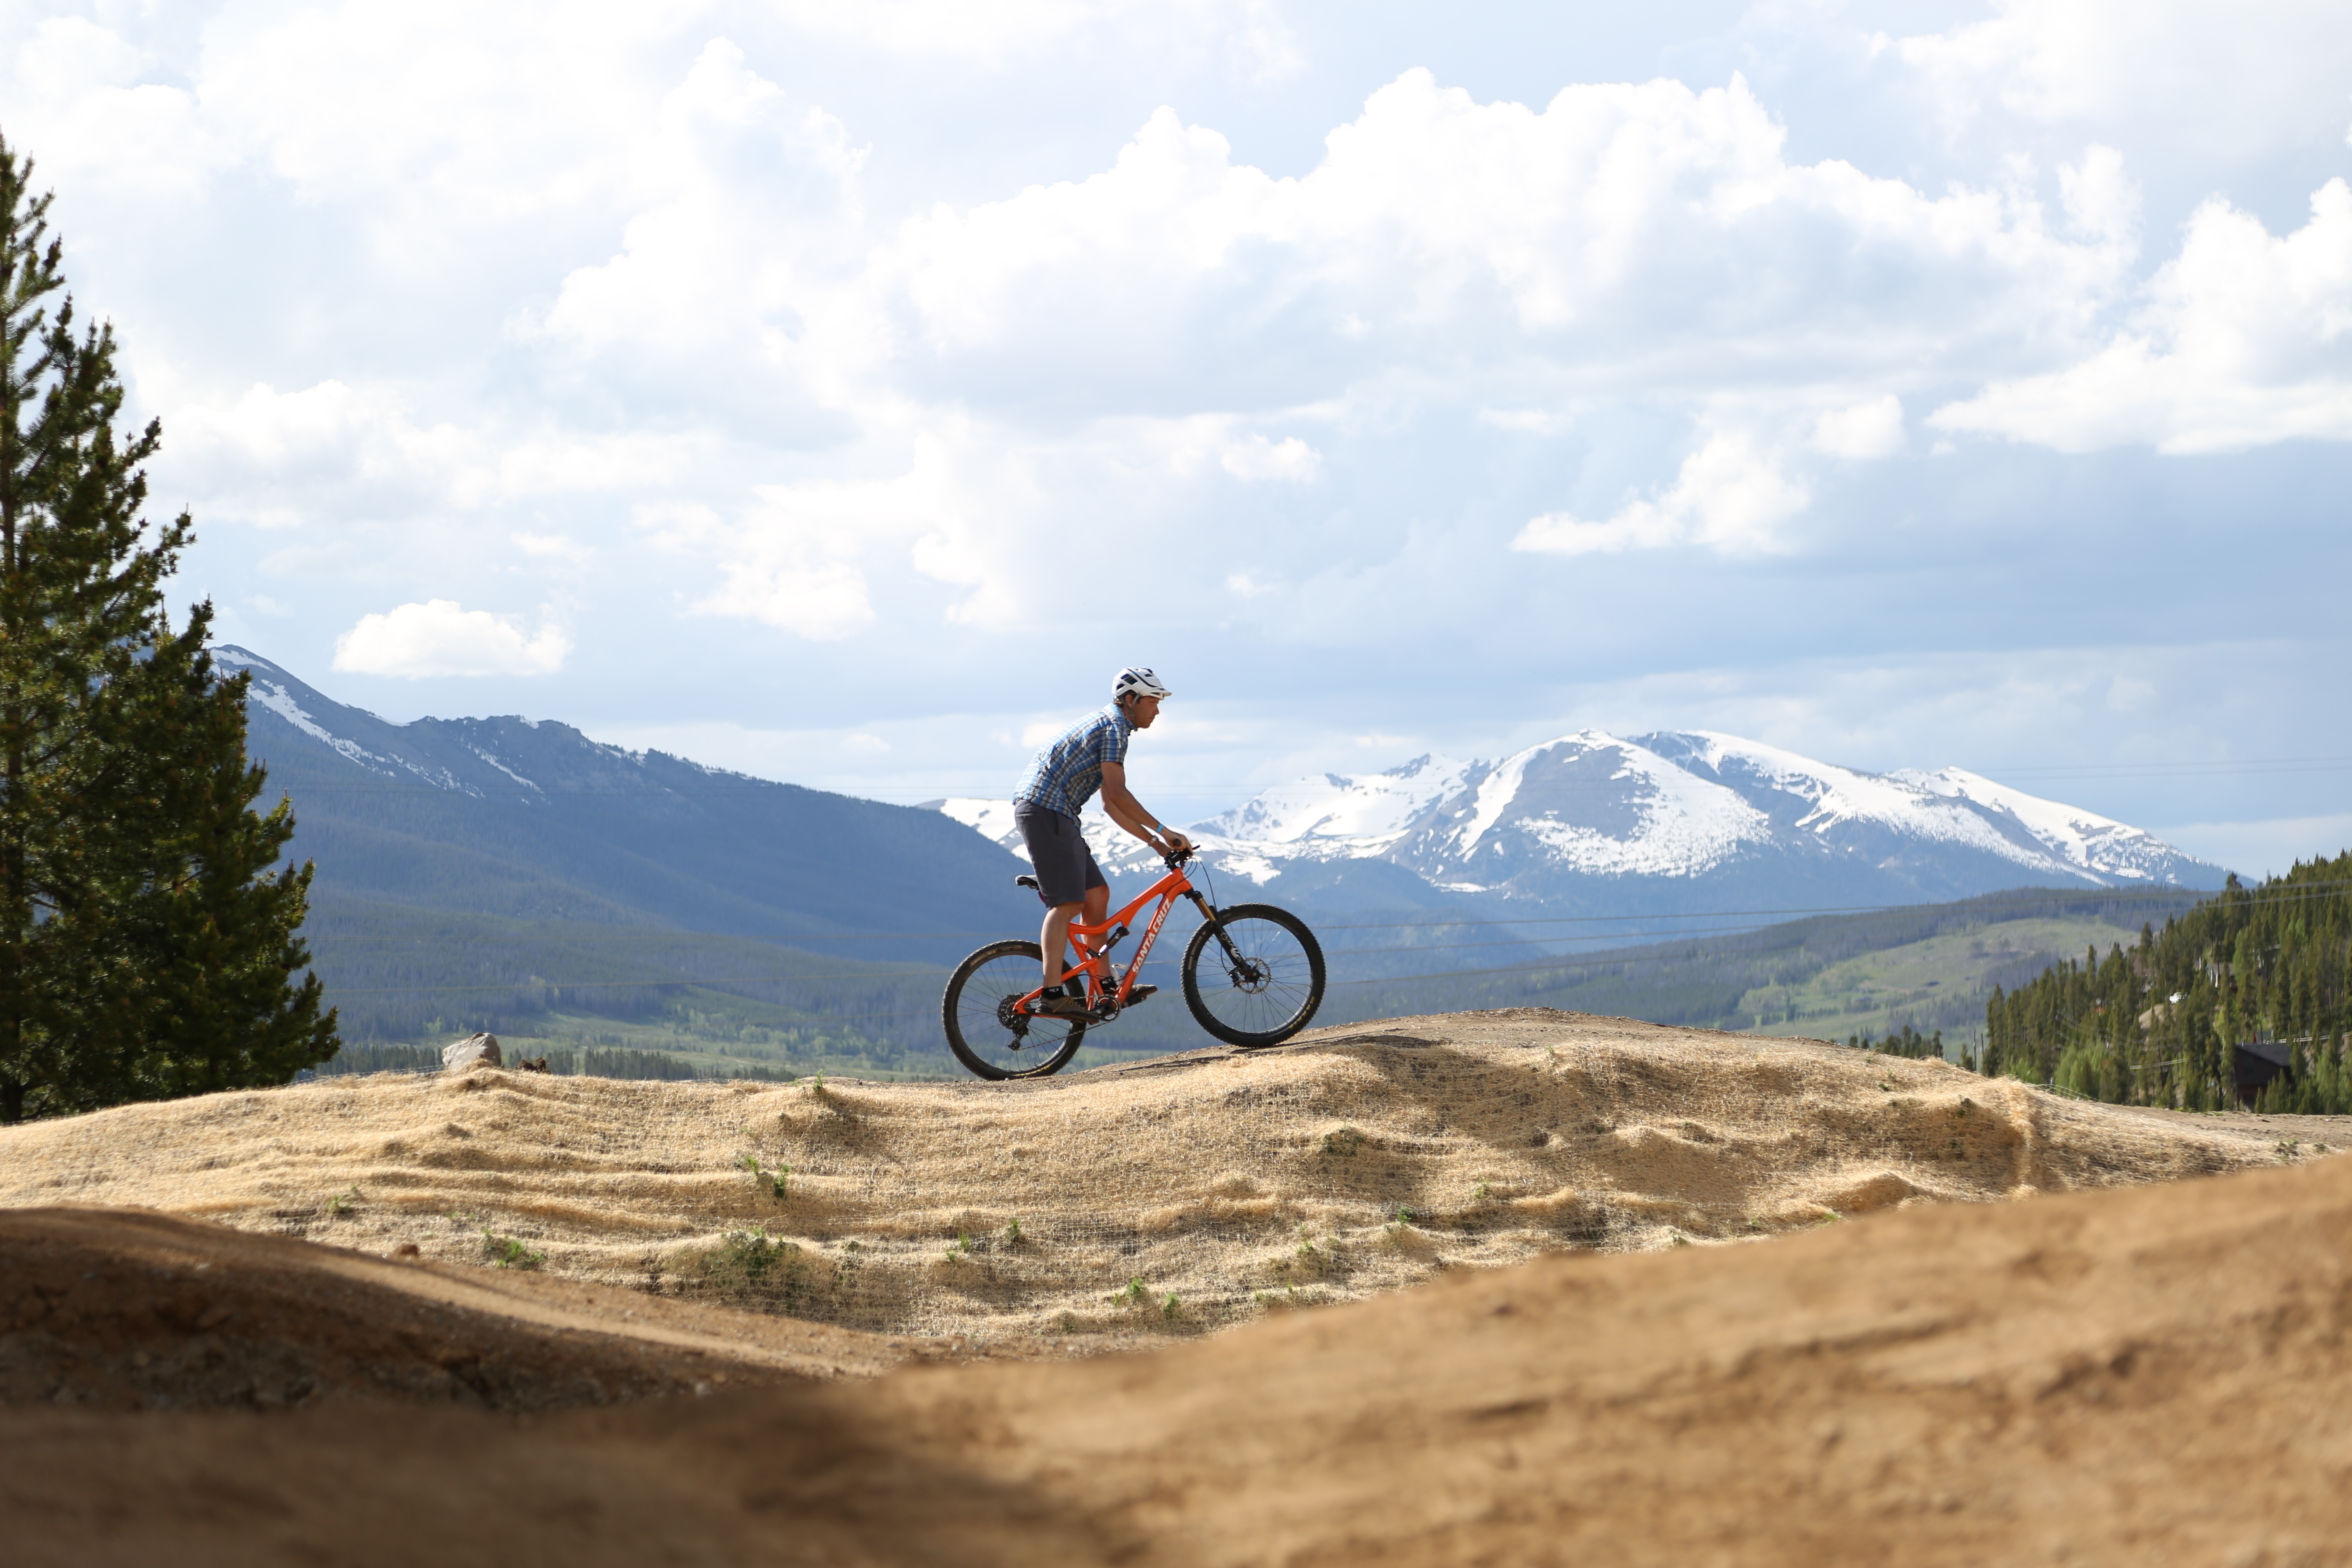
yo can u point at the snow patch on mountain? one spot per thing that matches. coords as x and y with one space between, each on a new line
1364 811
2083 838
992 819
1684 826
1842 797
269 694
504 769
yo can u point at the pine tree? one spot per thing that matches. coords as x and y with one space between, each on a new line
143 952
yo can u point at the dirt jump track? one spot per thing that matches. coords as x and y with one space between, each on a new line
1641 1332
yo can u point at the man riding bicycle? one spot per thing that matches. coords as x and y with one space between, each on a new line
1091 753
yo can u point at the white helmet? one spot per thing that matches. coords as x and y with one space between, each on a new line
1137 681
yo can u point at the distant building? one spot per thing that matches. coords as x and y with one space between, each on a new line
2258 1064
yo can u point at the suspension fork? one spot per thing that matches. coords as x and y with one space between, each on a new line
1209 917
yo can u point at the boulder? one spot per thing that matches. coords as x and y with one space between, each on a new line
473 1051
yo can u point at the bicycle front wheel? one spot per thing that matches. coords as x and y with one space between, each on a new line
987 1033
1261 983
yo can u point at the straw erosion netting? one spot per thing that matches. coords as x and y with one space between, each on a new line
1164 1197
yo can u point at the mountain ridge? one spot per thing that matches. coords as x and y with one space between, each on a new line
500 820
1642 824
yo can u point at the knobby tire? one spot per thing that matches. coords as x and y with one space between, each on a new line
1253 1009
969 1010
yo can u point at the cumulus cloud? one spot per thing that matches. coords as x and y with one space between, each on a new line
757 215
1259 458
1873 429
267 453
2245 340
441 637
1615 229
2251 75
1729 495
824 601
78 97
989 32
775 335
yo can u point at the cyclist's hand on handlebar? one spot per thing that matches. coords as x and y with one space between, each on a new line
1173 843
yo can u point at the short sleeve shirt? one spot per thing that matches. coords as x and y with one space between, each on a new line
1067 773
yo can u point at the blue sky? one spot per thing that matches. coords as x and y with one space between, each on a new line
843 391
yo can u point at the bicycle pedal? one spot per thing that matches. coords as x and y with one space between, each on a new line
1139 993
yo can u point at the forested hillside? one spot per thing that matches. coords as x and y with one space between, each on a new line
1925 968
2261 973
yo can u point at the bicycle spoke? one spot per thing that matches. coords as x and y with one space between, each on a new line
985 1028
1258 985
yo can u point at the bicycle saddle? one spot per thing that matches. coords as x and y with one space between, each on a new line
1027 882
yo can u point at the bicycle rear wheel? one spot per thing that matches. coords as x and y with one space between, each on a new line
986 1032
1264 987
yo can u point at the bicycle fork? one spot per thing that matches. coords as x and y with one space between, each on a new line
1236 965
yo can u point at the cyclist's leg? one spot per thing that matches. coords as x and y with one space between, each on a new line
1055 938
1069 880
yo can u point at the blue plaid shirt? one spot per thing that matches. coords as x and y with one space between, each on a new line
1067 773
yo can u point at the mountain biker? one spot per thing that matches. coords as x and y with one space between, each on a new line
1090 753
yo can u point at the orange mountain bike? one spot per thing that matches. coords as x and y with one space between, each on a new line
1252 977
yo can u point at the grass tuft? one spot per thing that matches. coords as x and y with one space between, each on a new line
508 1253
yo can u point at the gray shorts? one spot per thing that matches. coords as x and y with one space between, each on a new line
1066 867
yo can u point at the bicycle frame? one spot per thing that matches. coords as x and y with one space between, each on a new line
1094 957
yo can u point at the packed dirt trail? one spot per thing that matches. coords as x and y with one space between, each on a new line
2156 1375
2112 1367
1097 1209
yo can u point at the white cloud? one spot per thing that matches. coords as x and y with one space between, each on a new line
824 601
2251 75
77 100
808 333
1256 457
1729 495
757 218
1873 429
440 637
554 547
275 456
2245 340
1616 228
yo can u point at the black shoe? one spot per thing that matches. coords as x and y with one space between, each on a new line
1138 992
1054 1004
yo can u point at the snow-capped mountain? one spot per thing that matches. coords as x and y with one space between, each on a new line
1659 822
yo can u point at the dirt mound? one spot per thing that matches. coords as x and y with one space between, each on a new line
1164 1198
2156 1374
131 1309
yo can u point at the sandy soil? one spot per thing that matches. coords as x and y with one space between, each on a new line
2135 1370
1159 1200
2156 1375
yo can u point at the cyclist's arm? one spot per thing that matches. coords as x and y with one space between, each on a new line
1129 813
